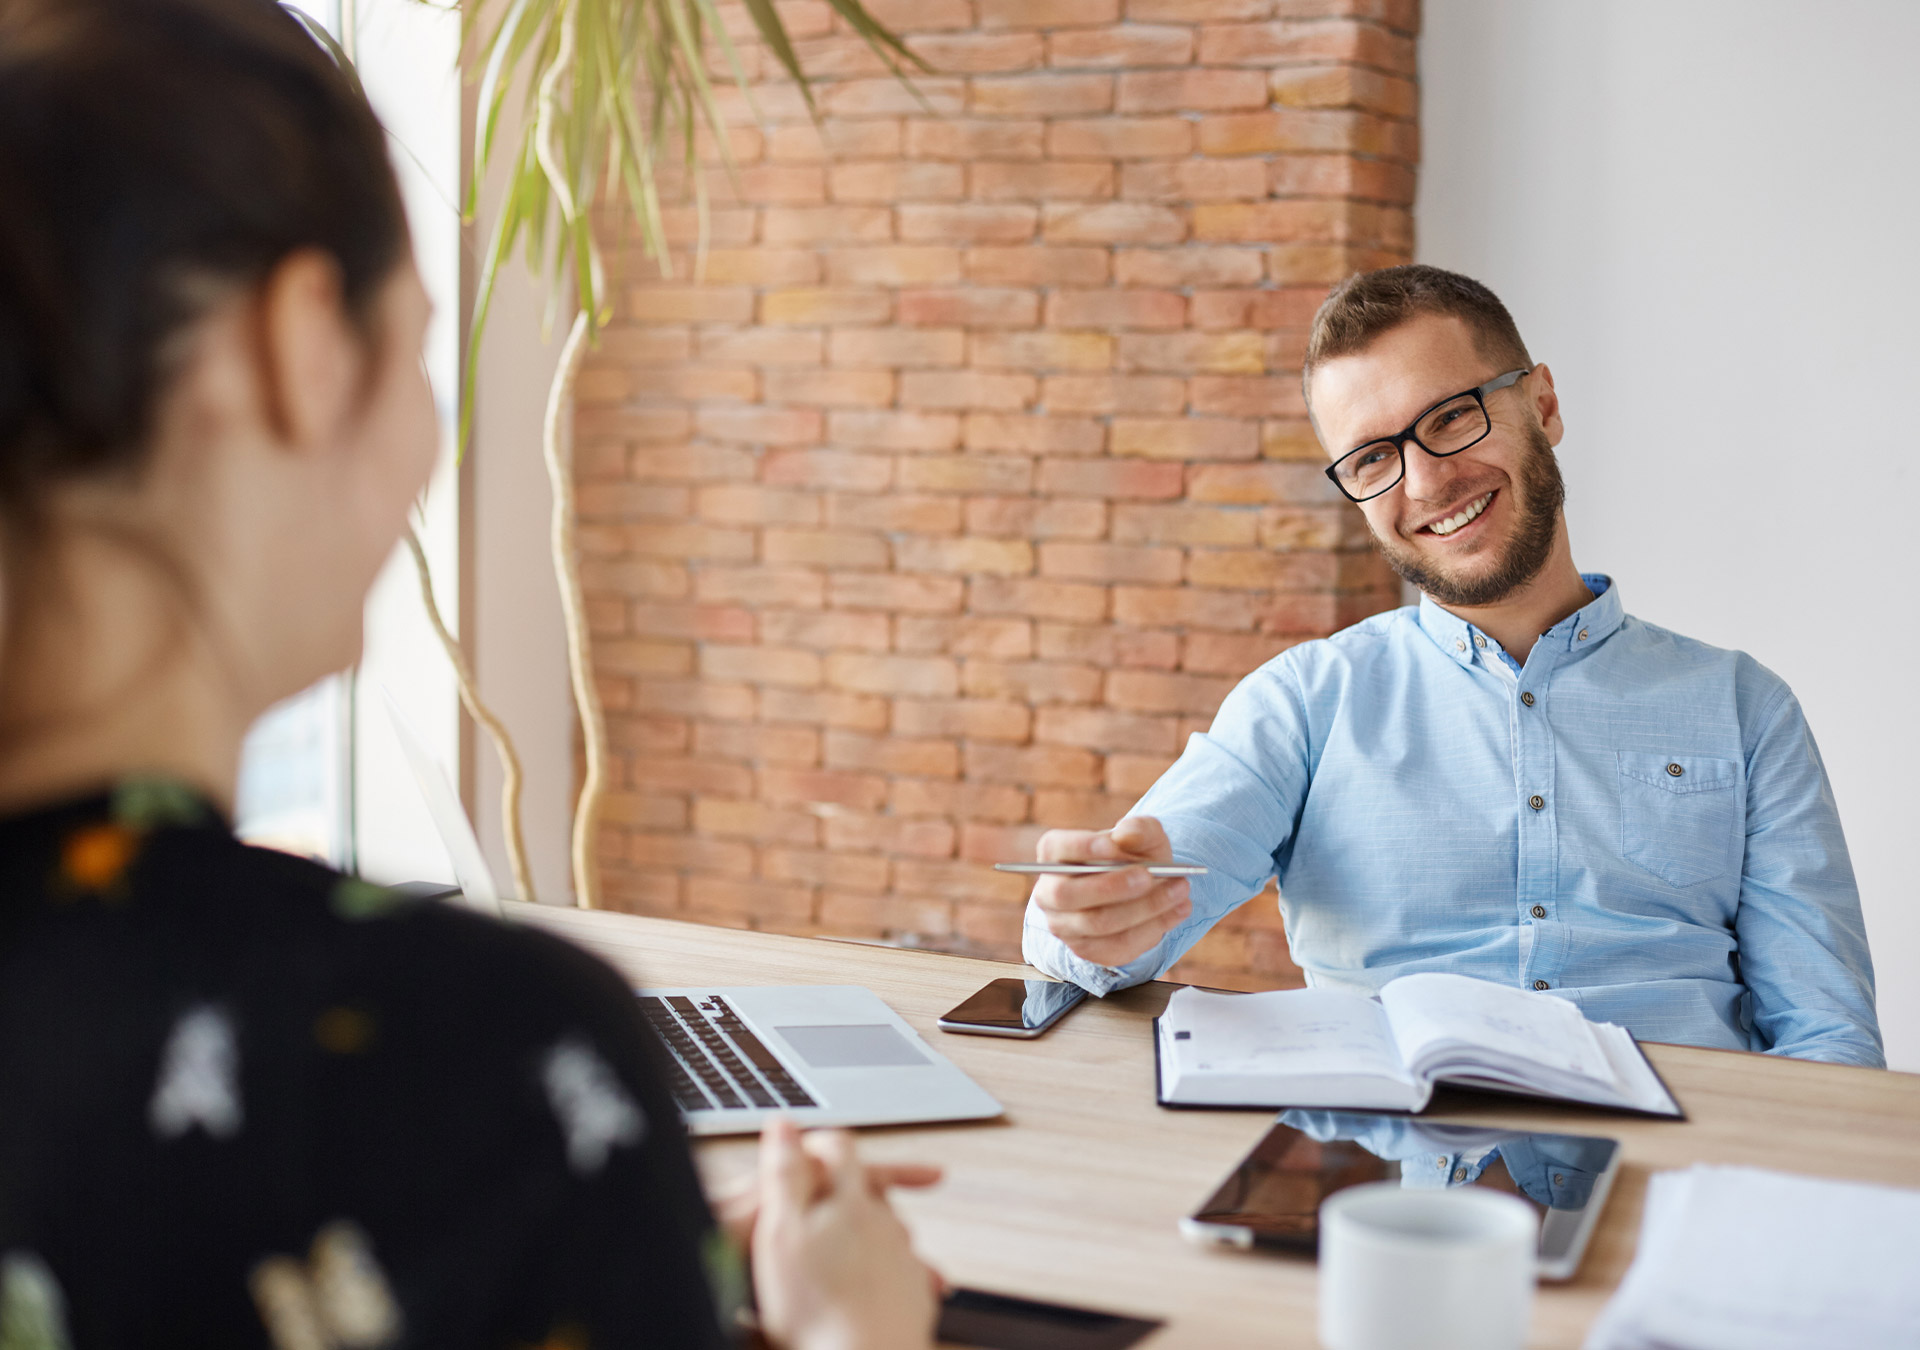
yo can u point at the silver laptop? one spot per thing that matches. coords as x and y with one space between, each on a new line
823 1054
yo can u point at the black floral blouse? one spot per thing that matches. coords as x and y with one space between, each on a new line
246 1101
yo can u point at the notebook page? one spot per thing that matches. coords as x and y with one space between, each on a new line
1289 1031
1432 1014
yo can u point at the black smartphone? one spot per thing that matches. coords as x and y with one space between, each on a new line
1002 1322
1272 1199
1022 1008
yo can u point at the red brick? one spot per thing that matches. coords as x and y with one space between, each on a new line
1242 353
1344 87
1109 562
825 305
883 182
966 473
886 95
969 140
1230 653
1207 526
1114 394
721 623
756 742
1329 528
1301 264
1184 438
1073 602
1247 395
885 916
1106 646
968 223
1033 434
1043 181
1047 13
1186 607
1194 180
966 389
693 382
640 656
1036 518
689 852
1260 484
825 628
825 224
1050 350
966 554
921 515
1112 223
662 302
785 787
1103 730
694 698
825 548
1037 265
691 463
1259 569
917 594
1196 11
645 811
1132 775
958 880
1152 691
975 307
829 388
899 347
974 719
706 895
1031 766
921 676
647 736
627 345
847 831
841 470
978 53
921 16
1138 481
666 581
770 185
1120 47
893 265
1192 89
627 892
1119 138
1297 222
623 501
763 346
1049 95
995 639
1000 843
892 755
830 708
818 867
759 586
912 431
836 57
1116 309
1307 131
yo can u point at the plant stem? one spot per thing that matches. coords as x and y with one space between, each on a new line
496 730
558 445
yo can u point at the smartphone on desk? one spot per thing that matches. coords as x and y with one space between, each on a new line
1019 1008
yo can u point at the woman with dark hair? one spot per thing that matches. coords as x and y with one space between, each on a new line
244 1100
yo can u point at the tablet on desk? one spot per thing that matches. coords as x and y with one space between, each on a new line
1272 1198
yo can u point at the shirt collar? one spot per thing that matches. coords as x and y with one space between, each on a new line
1586 627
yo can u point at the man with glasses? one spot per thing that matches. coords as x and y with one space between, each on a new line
1515 779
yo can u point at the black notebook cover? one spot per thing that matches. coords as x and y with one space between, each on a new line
1474 1089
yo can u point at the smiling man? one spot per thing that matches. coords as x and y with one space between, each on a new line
1514 779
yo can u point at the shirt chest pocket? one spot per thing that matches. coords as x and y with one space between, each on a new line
1680 815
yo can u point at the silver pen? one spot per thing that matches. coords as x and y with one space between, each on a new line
1087 869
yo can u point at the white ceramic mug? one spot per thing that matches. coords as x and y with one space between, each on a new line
1426 1269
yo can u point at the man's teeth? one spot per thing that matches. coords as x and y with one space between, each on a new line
1452 523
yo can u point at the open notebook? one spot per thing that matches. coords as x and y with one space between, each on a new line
1329 1048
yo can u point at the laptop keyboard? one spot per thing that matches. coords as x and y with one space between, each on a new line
709 1070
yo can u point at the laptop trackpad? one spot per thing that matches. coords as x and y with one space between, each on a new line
874 1046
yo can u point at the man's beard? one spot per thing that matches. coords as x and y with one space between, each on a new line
1542 493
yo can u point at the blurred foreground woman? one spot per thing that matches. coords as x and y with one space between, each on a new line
244 1100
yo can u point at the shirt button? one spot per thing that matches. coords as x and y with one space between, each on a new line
1583 635
1675 770
1537 802
1440 1163
1527 699
1539 984
1538 911
1460 644
1559 1179
1480 642
1459 1174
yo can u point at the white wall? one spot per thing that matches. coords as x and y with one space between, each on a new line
1703 215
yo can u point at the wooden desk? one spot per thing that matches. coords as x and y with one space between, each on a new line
1075 1195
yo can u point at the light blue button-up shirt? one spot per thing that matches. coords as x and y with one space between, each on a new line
1632 820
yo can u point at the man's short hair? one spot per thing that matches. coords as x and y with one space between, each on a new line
1368 304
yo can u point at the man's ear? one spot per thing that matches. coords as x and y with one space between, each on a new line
310 355
1546 403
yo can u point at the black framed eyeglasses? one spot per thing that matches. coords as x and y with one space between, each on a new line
1448 427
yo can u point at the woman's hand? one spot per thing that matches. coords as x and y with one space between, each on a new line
736 1201
833 1267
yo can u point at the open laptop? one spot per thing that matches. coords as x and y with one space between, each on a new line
822 1054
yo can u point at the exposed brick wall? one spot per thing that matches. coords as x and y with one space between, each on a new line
974 471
